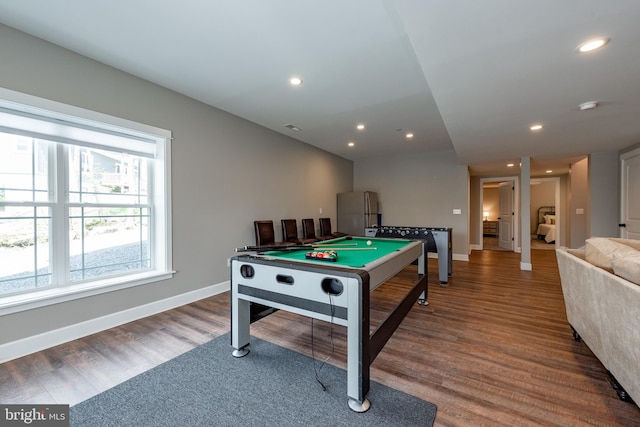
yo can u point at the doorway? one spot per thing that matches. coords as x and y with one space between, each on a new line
499 213
507 215
545 204
629 188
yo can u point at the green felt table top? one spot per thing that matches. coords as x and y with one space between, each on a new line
347 257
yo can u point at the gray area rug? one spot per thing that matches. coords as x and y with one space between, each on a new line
271 386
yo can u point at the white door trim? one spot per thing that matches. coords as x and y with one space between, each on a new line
516 219
624 157
556 180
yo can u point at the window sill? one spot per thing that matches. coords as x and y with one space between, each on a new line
32 300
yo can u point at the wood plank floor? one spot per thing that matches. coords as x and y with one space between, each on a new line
493 348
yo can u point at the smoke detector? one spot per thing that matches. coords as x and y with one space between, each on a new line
292 127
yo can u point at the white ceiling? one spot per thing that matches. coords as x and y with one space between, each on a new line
464 74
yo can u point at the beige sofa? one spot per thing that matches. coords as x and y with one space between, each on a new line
603 308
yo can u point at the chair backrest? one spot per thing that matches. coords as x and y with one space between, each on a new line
289 230
264 232
308 228
325 226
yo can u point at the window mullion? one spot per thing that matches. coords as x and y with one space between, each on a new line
33 170
59 247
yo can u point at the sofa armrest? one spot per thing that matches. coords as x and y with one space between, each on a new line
605 310
580 281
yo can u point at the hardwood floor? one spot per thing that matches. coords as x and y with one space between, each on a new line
493 348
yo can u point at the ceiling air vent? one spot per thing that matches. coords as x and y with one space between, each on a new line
293 127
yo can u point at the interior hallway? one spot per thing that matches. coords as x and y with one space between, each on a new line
491 243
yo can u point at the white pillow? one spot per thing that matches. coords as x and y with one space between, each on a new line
600 251
627 268
549 219
635 244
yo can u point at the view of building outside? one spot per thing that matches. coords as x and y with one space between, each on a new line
97 226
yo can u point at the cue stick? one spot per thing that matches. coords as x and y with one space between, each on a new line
334 244
349 249
273 248
287 247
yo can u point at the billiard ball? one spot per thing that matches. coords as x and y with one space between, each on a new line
368 242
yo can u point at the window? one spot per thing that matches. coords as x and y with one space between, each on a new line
84 204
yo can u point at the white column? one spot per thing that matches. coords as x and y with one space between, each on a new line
525 213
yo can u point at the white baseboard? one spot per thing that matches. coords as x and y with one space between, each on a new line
526 266
24 346
460 257
475 247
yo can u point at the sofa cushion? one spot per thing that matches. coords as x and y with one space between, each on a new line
635 244
577 252
600 251
627 267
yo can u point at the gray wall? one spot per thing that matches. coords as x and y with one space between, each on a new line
564 210
579 200
226 172
604 204
594 187
420 191
475 212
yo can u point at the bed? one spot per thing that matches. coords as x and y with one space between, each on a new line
547 223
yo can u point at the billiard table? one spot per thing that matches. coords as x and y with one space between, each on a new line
334 291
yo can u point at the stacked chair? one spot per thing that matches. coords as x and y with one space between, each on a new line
325 230
290 233
309 230
265 236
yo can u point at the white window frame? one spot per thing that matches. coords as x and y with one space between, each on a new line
160 199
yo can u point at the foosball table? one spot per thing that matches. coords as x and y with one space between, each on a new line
438 241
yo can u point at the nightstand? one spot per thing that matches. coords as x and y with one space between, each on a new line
490 228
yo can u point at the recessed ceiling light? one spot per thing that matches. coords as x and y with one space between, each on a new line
549 171
510 165
295 81
351 144
360 126
536 127
593 44
409 135
588 105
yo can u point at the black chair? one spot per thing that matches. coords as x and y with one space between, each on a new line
325 230
290 233
265 235
309 229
